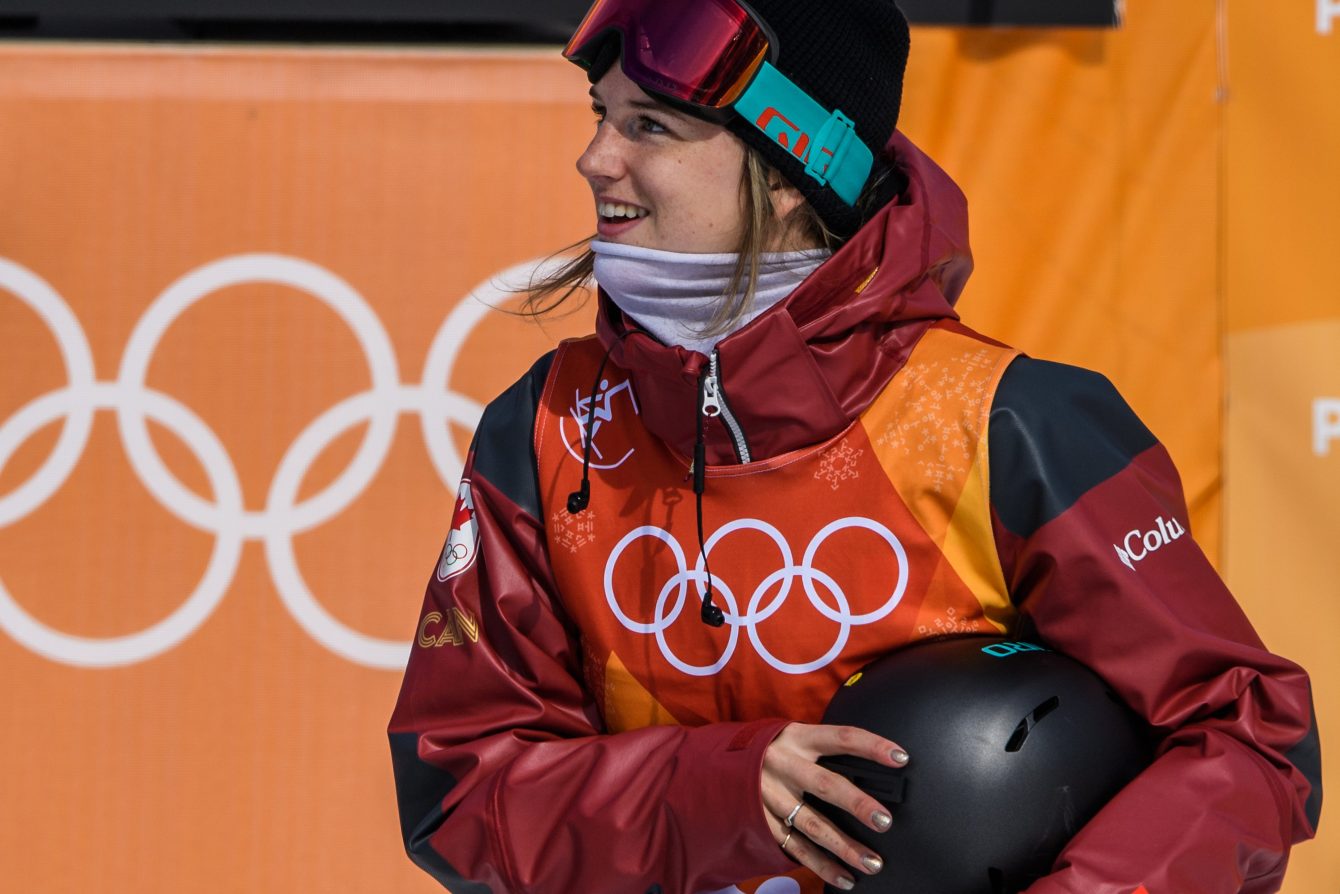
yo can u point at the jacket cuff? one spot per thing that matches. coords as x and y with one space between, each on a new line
717 787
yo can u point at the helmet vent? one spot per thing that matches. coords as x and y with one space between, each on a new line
1030 720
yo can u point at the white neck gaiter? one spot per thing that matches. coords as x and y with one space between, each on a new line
673 295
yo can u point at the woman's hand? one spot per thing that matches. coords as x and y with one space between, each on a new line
790 769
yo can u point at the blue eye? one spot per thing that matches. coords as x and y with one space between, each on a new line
650 125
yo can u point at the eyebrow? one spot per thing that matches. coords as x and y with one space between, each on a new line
647 103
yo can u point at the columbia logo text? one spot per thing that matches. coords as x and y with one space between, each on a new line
455 628
1139 544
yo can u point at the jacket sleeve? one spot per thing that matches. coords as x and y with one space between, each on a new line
505 780
1092 531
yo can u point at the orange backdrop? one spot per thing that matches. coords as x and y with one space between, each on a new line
1282 342
238 367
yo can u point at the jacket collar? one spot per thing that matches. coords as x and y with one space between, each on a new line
805 370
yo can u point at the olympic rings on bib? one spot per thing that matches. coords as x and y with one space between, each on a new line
225 517
676 587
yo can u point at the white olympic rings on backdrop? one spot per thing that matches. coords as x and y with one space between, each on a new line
226 517
756 612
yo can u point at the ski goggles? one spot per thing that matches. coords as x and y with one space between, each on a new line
713 57
703 53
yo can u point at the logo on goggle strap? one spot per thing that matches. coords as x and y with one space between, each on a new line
787 134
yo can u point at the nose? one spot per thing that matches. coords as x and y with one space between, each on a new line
604 159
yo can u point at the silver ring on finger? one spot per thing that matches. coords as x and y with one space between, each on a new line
791 817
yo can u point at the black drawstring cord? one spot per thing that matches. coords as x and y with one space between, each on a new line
581 498
711 614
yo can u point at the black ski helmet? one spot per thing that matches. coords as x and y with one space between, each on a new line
1013 748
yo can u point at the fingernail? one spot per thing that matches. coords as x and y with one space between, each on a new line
845 883
899 756
872 864
881 820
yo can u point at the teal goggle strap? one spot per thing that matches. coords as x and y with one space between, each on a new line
825 141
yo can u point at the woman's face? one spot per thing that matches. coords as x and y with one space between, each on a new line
662 179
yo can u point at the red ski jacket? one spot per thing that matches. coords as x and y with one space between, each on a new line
876 473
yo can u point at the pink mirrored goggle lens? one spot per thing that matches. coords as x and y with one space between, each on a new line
703 53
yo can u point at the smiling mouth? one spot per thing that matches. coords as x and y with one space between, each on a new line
616 212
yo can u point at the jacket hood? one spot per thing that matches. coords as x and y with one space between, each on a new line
807 368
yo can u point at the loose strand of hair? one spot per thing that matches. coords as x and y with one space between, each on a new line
756 199
549 293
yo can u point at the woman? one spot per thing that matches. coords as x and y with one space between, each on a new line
675 539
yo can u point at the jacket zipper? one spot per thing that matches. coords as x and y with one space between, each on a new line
714 404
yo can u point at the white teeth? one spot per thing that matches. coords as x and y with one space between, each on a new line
614 209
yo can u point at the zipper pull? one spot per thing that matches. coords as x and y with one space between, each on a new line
711 392
711 399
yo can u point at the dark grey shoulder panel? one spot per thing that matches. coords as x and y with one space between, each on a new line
420 788
1306 756
504 445
1056 432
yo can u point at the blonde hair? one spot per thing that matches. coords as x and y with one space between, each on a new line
763 229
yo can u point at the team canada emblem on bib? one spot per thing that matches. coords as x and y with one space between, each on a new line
463 543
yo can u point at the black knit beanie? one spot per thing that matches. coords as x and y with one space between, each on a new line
849 56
